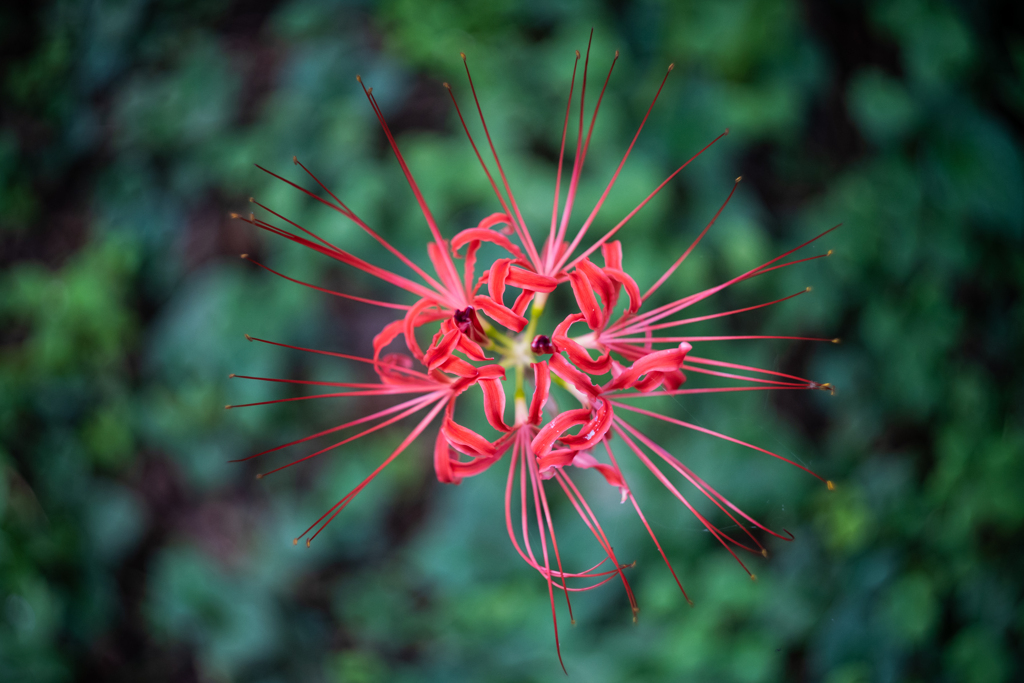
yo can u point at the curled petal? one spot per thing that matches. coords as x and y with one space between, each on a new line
500 314
632 291
555 459
552 431
483 233
420 314
472 349
657 363
542 386
466 440
496 279
442 346
469 268
611 474
478 235
390 369
493 371
570 374
443 460
605 287
584 292
385 337
494 403
612 253
594 430
526 279
522 301
577 354
456 366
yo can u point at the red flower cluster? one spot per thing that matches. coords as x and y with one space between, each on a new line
485 343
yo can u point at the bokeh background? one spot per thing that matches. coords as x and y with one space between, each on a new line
131 550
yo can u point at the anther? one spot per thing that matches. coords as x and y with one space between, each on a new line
739 178
726 132
243 256
753 577
689 602
259 476
829 253
636 611
446 86
830 485
227 407
252 200
463 55
359 78
764 553
231 375
809 289
233 215
837 340
577 54
295 541
616 54
671 66
541 344
573 622
369 91
248 337
295 160
826 386
308 540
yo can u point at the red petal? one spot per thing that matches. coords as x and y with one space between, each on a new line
465 439
542 386
500 314
526 279
584 292
442 460
577 354
496 279
552 431
570 374
494 403
659 362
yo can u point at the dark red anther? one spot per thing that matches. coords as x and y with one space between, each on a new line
541 344
469 324
464 319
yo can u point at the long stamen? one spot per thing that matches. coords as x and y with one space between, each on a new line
335 354
686 253
719 535
450 277
483 165
577 163
340 505
608 235
676 306
331 430
650 531
590 131
711 432
346 211
527 240
631 329
549 257
375 302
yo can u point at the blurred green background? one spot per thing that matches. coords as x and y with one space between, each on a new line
131 551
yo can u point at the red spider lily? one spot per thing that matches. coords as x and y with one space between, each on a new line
620 358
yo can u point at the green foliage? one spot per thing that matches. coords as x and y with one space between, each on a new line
130 549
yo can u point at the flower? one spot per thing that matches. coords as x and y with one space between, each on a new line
480 339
